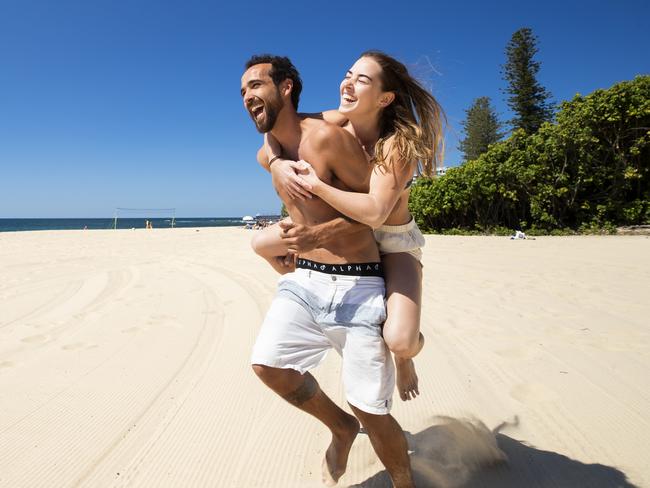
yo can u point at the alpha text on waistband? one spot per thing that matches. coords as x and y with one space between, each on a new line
347 269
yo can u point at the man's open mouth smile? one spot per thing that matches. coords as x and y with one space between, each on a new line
256 111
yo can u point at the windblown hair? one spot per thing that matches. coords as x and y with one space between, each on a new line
414 118
281 69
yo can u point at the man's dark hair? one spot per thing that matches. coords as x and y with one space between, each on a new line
281 69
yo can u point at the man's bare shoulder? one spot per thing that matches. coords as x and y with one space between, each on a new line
311 115
330 116
326 136
339 151
335 117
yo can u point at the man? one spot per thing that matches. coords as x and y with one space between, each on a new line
335 298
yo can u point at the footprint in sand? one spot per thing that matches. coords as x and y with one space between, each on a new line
609 345
517 353
162 317
534 393
73 346
164 321
172 324
35 339
6 364
93 315
131 330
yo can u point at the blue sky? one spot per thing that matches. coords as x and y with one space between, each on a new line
136 103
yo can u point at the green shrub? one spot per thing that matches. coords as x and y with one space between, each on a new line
589 170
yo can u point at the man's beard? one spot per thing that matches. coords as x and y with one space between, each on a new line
271 110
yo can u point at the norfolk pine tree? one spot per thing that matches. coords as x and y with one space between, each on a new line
527 98
481 128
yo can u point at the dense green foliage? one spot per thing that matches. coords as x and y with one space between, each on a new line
481 128
527 98
589 170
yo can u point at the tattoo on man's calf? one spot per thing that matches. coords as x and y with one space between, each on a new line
304 392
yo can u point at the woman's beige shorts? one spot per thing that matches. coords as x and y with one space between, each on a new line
400 238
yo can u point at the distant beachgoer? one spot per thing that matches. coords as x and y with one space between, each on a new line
335 297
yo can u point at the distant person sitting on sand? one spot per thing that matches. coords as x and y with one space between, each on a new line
398 123
335 297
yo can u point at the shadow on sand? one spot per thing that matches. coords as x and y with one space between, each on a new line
465 454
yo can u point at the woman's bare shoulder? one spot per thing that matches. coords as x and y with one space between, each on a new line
394 159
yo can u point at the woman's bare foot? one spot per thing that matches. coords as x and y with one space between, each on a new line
407 379
336 456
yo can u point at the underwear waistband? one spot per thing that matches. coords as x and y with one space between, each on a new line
346 269
397 229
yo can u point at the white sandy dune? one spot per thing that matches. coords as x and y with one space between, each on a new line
124 362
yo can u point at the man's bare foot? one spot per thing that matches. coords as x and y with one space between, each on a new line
336 456
407 379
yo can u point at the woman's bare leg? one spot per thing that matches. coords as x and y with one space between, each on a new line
268 244
403 275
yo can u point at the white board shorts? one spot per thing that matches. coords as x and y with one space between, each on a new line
314 312
400 238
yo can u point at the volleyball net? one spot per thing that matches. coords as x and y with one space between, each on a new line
133 218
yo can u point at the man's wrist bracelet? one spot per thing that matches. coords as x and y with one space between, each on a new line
273 160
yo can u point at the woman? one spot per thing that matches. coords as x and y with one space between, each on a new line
399 125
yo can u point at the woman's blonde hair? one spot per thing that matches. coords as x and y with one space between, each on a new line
414 119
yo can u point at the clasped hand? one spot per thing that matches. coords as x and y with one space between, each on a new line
298 238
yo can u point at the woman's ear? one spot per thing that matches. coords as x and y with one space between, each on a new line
386 99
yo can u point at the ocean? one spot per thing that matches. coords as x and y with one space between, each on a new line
13 225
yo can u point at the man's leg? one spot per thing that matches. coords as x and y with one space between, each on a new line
302 391
389 443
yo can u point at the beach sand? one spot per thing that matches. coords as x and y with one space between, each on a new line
124 362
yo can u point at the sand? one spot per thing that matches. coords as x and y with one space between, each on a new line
124 362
